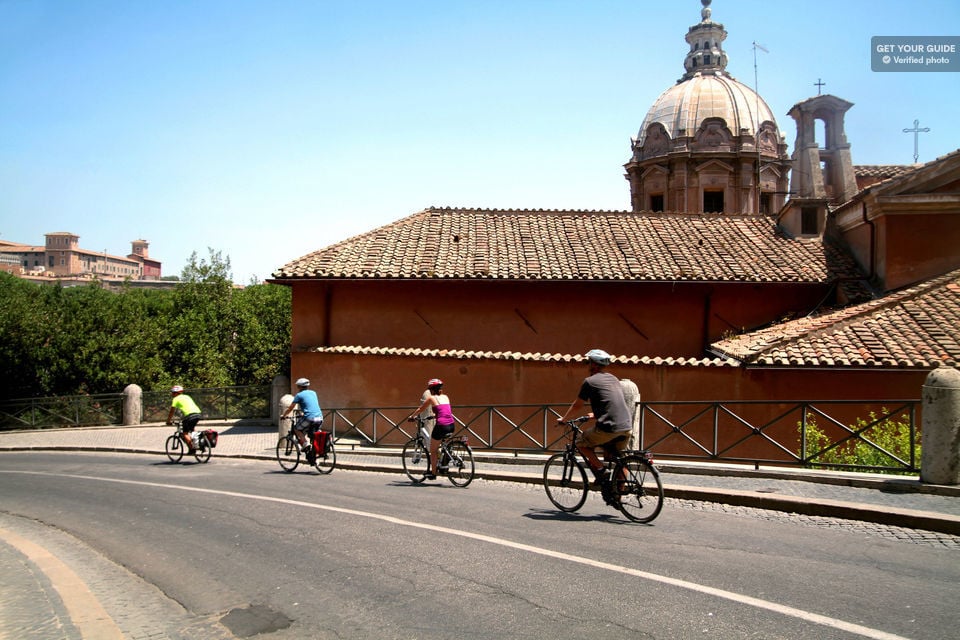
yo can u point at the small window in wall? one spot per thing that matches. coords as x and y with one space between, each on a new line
656 202
765 203
706 59
50 260
808 221
713 201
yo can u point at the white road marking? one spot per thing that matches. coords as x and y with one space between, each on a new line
793 612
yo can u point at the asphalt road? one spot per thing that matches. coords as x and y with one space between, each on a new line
237 547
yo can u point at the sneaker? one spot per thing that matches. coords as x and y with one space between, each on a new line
429 476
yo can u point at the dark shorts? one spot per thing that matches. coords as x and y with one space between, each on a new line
441 431
190 422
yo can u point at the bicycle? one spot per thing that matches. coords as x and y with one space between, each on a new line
635 488
289 450
175 445
456 457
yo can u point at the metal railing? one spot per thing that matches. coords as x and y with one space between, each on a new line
838 434
867 435
216 403
219 403
46 413
503 427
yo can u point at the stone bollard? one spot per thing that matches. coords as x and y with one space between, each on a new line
284 424
631 393
132 405
279 387
940 456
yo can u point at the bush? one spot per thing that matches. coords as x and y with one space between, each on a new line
878 443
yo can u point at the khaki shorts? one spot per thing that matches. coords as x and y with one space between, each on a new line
592 437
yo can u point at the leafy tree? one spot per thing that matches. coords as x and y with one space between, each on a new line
260 334
196 346
206 332
26 331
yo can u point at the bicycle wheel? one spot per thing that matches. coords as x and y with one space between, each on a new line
639 488
174 448
460 467
416 460
288 455
565 481
202 451
328 461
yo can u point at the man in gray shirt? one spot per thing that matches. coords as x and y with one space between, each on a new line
608 406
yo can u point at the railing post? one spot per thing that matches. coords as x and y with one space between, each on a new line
279 387
284 424
940 455
132 405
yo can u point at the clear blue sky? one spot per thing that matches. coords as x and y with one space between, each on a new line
267 129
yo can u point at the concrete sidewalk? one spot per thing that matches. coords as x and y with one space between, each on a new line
893 500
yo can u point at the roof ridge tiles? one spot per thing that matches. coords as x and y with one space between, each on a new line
462 354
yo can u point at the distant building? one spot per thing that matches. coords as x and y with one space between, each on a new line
62 257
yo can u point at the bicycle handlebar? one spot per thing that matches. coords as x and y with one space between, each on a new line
576 422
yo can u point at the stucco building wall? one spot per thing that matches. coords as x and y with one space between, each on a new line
655 319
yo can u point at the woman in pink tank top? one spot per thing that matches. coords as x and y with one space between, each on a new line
444 422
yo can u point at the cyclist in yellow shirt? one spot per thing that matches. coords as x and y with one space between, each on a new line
189 410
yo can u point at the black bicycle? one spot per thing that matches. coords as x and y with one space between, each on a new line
176 447
633 483
456 457
322 456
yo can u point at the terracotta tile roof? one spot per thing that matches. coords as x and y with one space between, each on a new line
915 328
889 179
576 245
461 354
878 172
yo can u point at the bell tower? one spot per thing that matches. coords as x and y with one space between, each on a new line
822 172
822 175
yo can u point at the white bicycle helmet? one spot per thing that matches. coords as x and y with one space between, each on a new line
176 389
303 382
598 356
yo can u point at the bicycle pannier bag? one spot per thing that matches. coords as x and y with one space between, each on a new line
320 441
211 437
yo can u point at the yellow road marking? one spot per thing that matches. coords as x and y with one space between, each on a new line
85 611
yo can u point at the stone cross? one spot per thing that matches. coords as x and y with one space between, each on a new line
916 131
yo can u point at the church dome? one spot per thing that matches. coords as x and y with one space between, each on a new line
706 91
682 108
709 143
